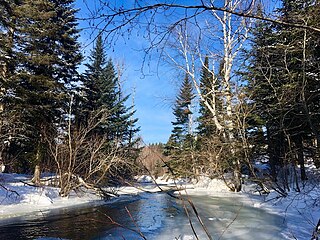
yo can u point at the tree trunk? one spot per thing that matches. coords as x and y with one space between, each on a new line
36 175
316 156
237 177
300 158
272 157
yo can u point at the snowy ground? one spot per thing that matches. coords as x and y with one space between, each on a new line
20 199
300 211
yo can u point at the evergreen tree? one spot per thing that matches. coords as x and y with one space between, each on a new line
182 112
208 141
262 93
283 82
46 55
210 87
181 141
93 75
102 93
7 118
298 49
102 97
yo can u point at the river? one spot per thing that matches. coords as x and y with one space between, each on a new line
155 216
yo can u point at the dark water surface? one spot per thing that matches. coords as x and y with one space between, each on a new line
157 216
148 211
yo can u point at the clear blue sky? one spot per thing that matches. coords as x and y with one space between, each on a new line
153 88
156 85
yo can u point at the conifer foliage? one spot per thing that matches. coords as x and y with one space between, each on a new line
283 81
209 90
102 93
269 111
43 60
46 121
181 142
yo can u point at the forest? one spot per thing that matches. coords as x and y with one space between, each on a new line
54 118
261 110
249 91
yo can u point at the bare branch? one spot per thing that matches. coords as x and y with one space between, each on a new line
131 14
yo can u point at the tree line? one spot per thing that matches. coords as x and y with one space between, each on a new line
52 117
258 100
251 66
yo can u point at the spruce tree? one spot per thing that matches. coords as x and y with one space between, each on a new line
298 49
46 55
102 97
182 111
209 87
102 93
282 80
208 141
7 118
181 142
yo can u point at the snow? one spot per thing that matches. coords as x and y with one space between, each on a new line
2 167
300 210
33 199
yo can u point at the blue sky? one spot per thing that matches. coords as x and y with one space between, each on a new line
153 88
153 85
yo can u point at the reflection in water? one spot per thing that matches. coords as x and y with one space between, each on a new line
148 212
157 216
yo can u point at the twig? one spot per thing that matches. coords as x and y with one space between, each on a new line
182 199
124 227
227 227
316 232
9 190
30 184
135 223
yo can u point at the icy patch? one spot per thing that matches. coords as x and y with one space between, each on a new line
187 237
144 179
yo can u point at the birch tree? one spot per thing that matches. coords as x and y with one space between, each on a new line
192 46
217 29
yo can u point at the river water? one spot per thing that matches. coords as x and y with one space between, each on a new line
155 216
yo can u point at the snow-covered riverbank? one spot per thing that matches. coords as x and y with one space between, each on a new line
299 211
18 197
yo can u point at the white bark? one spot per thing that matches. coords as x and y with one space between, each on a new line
233 37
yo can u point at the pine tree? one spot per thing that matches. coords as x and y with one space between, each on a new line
208 141
298 54
209 86
117 125
93 76
311 75
7 118
182 111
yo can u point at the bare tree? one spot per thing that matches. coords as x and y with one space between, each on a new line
185 34
192 49
211 21
85 159
151 158
115 18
